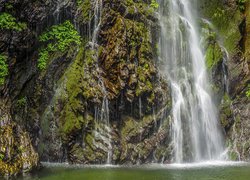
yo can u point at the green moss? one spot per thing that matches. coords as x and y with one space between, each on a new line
225 111
43 58
248 91
241 5
213 51
1 156
60 38
233 156
214 55
89 56
71 118
7 21
21 102
146 8
8 6
3 69
86 8
226 20
154 4
80 87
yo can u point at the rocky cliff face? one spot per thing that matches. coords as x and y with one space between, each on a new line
71 97
231 19
62 86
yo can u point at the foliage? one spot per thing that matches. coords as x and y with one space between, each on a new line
241 4
7 21
154 4
22 102
226 21
59 38
3 69
145 8
248 91
214 55
43 57
1 156
8 6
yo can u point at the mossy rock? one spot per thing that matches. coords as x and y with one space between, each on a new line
17 154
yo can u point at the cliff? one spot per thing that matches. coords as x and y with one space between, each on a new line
67 66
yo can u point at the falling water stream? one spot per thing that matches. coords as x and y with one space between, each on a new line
195 129
102 113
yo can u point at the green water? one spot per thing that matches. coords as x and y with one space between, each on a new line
151 172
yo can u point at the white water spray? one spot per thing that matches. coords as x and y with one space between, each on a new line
195 129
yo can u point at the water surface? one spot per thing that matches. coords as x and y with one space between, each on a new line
202 171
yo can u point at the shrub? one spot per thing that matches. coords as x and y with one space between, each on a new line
154 4
59 38
248 91
3 69
21 102
241 4
7 21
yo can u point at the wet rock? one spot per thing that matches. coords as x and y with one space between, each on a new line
17 154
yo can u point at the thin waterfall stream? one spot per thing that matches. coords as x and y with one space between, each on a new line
195 130
102 113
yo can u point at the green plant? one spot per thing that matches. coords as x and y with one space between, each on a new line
154 4
22 102
1 156
8 6
241 4
7 21
248 91
43 57
3 69
59 38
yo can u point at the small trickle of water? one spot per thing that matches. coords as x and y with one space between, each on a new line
97 19
101 114
196 134
225 70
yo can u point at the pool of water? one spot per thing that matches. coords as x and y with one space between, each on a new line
200 171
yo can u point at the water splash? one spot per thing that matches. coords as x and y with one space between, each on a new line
196 134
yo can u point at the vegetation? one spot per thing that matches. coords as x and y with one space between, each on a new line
21 102
86 8
58 38
3 69
7 21
214 55
1 156
226 21
154 4
248 91
241 4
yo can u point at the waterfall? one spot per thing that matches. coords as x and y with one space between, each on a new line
101 113
195 130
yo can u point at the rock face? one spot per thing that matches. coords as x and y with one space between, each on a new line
234 102
99 101
16 151
103 99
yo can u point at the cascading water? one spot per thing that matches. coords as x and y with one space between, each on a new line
195 129
102 113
